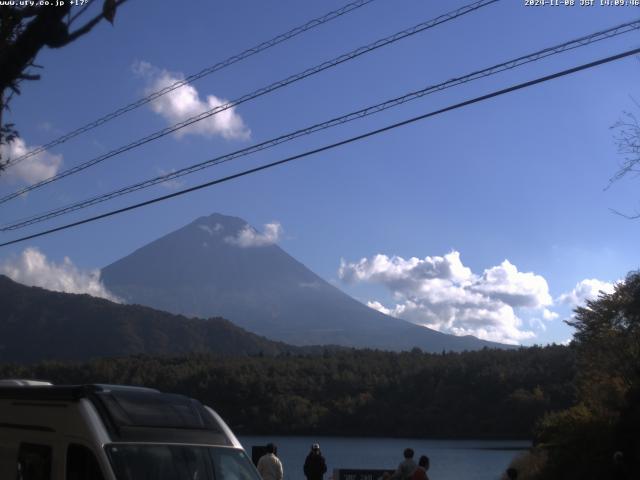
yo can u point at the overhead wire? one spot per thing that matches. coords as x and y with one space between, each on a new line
257 93
193 77
350 140
370 110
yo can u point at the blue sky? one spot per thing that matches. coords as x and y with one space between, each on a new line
519 178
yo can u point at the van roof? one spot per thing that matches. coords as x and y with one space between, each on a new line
18 382
134 413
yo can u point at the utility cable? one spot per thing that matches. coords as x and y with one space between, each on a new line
257 93
196 76
308 153
495 69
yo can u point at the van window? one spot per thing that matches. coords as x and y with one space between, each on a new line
34 462
144 409
82 464
179 462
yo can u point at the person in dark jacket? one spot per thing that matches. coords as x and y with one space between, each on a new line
315 465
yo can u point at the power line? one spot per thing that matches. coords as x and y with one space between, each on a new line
257 93
334 145
196 76
522 60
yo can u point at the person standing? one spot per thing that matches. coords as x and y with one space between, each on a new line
406 467
269 465
420 473
315 465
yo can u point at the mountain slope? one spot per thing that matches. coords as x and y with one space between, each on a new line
203 270
36 324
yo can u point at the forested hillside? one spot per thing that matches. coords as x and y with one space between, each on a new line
598 437
36 324
488 393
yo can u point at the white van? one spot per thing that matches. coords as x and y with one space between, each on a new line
112 432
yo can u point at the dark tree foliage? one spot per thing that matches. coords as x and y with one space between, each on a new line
582 441
263 386
487 393
25 30
78 327
608 340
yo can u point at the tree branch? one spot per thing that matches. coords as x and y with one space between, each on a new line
24 31
47 28
80 12
625 215
27 12
87 27
627 139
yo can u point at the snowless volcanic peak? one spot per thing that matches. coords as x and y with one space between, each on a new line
221 266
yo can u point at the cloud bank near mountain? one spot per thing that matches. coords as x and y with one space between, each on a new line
249 237
32 268
440 292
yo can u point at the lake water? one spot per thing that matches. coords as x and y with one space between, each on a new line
450 459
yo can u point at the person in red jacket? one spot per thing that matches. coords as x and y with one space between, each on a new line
420 472
315 465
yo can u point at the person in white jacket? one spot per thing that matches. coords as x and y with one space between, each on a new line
269 465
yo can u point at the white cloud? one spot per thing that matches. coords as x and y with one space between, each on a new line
142 68
185 102
32 268
30 170
380 307
212 231
48 127
518 289
441 293
400 274
249 237
172 184
206 228
587 289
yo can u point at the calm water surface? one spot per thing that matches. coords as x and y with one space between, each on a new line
450 459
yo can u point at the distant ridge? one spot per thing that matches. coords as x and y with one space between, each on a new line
37 325
200 270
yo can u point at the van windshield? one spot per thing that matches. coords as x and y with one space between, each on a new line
179 462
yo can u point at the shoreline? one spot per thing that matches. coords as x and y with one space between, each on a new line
505 438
